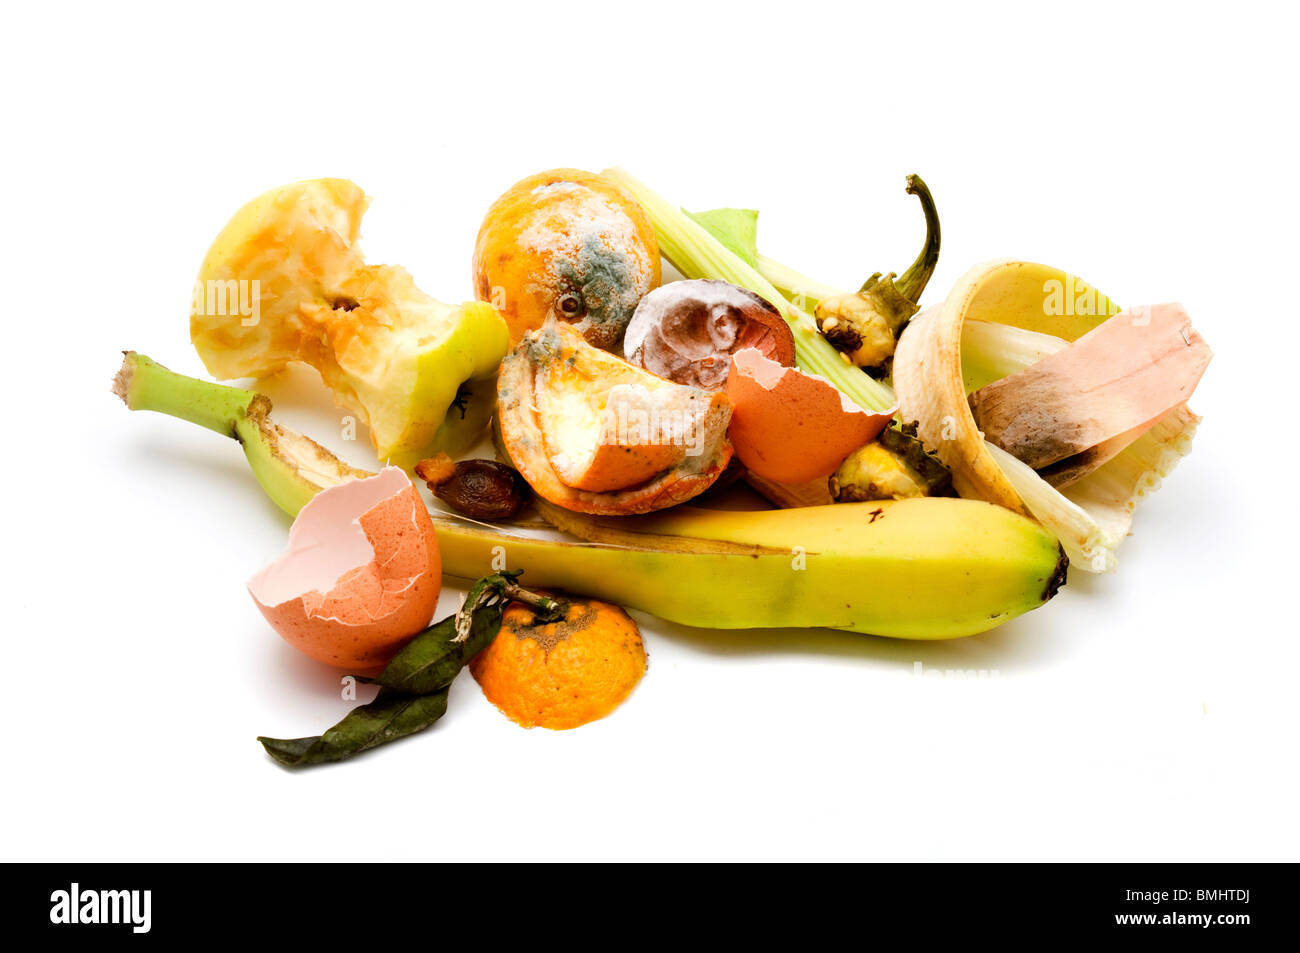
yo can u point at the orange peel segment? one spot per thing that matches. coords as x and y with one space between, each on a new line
564 674
594 434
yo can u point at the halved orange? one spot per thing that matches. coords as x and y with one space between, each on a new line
592 433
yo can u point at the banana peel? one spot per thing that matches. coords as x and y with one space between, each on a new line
290 467
914 569
931 380
919 569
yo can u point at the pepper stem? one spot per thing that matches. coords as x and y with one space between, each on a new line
914 280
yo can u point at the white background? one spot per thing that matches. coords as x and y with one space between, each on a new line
1146 715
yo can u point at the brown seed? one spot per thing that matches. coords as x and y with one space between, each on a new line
480 489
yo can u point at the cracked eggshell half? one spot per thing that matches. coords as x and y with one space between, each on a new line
791 427
361 574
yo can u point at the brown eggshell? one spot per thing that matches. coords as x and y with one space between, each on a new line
360 576
789 426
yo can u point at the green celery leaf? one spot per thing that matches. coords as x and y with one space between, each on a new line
735 228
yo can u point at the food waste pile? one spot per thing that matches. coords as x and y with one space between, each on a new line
743 448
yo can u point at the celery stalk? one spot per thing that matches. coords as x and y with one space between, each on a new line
798 288
697 254
990 351
1085 540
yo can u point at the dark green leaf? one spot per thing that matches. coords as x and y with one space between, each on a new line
290 750
390 716
414 685
431 660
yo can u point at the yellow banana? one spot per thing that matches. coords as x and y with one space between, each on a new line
927 568
916 569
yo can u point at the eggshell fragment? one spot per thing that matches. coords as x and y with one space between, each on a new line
790 427
360 576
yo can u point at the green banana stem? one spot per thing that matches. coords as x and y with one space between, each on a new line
914 280
144 384
290 467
